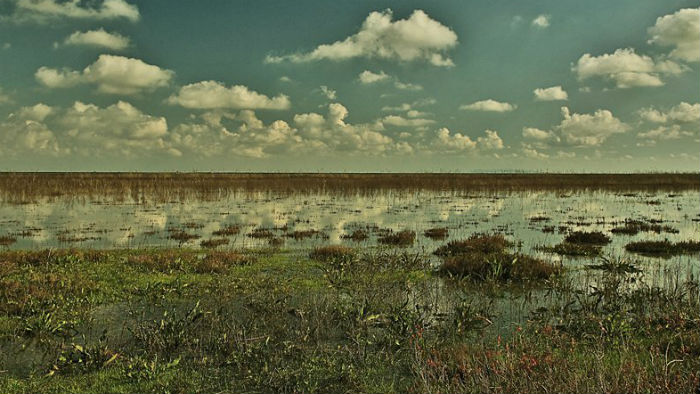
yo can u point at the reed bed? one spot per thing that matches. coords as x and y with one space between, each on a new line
27 187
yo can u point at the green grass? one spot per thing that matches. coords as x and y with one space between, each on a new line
346 320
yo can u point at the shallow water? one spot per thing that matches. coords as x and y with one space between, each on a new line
102 223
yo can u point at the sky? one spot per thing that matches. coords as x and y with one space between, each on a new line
350 86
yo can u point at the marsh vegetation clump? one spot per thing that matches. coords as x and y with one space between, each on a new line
358 235
663 248
7 240
332 252
436 233
587 238
571 249
181 236
476 243
633 227
261 233
227 230
400 238
214 243
299 235
485 257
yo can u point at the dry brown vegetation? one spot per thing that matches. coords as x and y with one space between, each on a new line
24 187
331 252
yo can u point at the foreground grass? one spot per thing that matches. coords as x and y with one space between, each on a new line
341 320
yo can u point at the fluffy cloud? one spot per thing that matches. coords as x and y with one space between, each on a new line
589 129
675 120
584 130
98 38
550 94
328 92
672 132
452 143
393 120
246 136
681 31
243 134
532 133
119 130
417 38
446 142
24 132
489 106
407 86
212 95
112 74
333 132
541 22
681 113
625 68
368 77
43 10
532 153
491 141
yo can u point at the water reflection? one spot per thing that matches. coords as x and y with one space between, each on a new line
535 218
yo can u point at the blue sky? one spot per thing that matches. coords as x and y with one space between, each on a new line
349 86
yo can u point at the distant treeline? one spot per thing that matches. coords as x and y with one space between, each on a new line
18 187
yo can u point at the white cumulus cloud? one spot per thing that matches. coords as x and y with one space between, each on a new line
489 106
680 30
417 38
44 10
554 93
368 77
98 38
112 74
541 22
625 68
583 130
681 113
213 94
